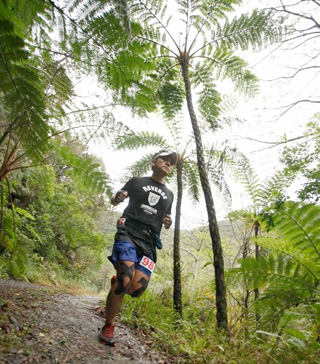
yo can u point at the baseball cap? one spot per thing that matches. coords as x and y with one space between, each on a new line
166 153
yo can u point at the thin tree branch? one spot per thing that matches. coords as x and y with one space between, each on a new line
201 27
284 7
158 44
290 106
294 74
160 22
93 108
273 143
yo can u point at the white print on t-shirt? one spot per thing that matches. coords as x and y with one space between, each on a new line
148 209
153 199
147 263
156 189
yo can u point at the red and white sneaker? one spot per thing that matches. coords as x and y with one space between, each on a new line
106 335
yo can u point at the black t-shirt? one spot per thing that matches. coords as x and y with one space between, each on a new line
149 202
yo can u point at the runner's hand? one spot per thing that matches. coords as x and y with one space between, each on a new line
120 196
167 221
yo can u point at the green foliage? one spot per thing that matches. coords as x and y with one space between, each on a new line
132 140
302 159
192 178
194 339
209 97
50 228
289 276
140 167
22 86
172 98
83 171
246 31
37 88
262 193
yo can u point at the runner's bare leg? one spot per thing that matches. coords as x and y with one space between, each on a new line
114 300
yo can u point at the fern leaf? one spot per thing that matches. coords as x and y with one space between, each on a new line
133 140
86 174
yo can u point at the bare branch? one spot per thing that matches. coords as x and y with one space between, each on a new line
290 106
293 75
93 108
272 143
311 18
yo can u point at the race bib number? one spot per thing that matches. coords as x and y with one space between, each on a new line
147 263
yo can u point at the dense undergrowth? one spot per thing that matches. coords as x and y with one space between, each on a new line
53 275
53 231
194 338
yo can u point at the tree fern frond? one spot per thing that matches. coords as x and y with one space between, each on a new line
245 174
285 247
274 186
227 65
255 30
141 139
58 83
288 278
192 179
300 224
139 168
172 98
209 97
175 128
86 174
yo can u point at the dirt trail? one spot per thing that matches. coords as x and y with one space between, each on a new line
39 325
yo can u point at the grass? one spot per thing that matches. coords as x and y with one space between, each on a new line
195 340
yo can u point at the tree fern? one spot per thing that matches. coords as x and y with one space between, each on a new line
209 97
172 98
289 276
140 167
84 172
192 179
298 227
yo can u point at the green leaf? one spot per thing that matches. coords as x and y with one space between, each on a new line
24 213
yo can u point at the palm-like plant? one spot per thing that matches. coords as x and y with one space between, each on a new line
35 88
186 173
202 52
262 195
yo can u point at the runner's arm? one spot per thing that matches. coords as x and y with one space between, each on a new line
167 221
119 197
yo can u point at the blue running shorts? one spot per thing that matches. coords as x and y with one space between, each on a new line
126 251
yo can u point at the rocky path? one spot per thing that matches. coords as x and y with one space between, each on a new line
39 325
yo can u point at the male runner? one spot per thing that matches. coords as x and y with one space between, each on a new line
134 252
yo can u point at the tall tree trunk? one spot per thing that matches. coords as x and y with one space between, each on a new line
221 300
177 300
245 253
257 254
